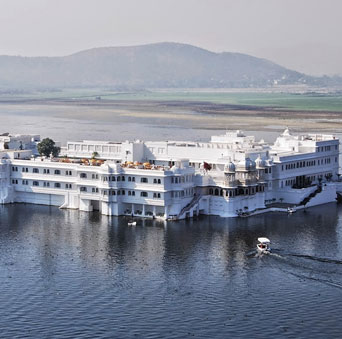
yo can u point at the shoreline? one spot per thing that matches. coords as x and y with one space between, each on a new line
188 114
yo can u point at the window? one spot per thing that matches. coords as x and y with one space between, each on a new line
57 172
24 182
129 179
95 190
145 180
159 181
46 184
113 178
46 171
133 179
57 185
15 169
83 175
14 181
123 192
129 193
68 173
35 170
35 183
123 178
143 194
156 195
68 186
83 189
119 178
154 181
133 193
113 192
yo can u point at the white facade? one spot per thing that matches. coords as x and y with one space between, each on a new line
231 175
19 142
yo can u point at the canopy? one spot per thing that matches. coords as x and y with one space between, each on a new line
264 240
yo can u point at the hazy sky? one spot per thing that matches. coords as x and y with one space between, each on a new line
305 35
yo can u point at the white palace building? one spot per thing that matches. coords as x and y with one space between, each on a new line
231 175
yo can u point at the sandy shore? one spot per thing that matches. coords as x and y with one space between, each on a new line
202 115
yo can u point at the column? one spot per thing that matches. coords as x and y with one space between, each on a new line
166 215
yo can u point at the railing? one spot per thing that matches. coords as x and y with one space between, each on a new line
311 195
187 208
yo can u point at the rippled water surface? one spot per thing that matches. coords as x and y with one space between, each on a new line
71 274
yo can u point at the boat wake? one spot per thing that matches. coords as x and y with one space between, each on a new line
325 260
324 281
324 270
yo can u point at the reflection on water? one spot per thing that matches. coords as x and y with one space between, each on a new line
66 273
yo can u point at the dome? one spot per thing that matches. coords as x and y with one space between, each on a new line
259 162
286 132
269 162
229 167
246 165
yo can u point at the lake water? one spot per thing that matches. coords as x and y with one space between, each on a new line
71 274
55 122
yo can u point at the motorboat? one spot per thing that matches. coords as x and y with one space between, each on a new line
132 223
291 210
263 245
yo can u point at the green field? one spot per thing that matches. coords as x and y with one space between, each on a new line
282 101
277 100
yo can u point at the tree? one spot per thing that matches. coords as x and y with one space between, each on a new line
47 147
94 155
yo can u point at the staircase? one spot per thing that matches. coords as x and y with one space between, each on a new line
190 205
313 194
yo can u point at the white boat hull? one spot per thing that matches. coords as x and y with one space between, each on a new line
263 250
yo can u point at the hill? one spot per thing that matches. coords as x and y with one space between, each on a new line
161 65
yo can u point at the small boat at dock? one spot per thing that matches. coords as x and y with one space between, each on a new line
263 245
291 210
132 223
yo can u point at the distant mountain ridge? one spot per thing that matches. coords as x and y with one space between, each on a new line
160 65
